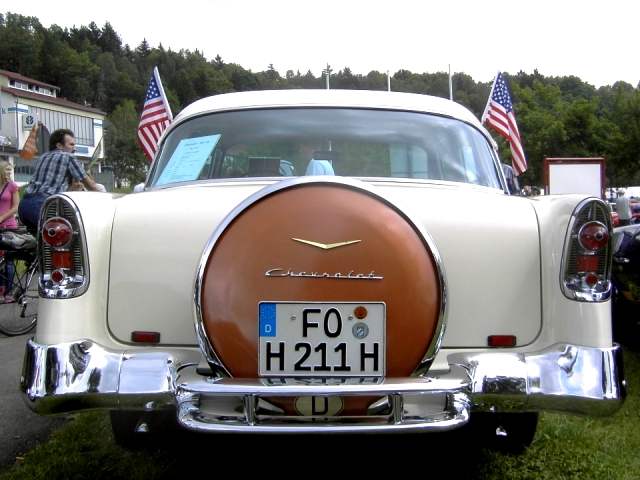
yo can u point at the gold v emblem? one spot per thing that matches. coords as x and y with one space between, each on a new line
325 246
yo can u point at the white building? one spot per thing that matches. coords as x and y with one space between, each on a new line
25 101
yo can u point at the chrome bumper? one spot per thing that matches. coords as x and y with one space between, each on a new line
78 375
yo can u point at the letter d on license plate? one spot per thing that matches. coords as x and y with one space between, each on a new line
322 339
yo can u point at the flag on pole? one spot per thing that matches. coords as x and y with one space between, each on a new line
499 115
156 116
30 147
95 157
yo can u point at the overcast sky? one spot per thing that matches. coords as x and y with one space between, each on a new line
595 40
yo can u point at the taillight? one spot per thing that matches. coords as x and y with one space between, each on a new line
62 248
586 264
57 232
593 236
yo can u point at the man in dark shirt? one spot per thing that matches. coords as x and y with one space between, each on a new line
54 171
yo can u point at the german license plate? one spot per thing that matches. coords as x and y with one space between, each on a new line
322 339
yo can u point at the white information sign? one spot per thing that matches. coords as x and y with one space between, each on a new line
583 178
188 159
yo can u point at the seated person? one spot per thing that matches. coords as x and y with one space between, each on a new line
321 164
287 169
264 166
234 172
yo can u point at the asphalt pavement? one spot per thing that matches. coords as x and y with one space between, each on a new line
20 428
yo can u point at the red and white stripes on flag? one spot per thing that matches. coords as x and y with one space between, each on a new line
499 115
156 116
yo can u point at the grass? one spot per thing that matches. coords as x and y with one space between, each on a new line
565 447
575 447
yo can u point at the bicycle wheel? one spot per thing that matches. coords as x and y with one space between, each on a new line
19 311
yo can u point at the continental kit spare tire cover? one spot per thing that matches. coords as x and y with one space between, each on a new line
259 238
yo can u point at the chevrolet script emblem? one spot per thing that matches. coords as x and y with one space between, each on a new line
326 246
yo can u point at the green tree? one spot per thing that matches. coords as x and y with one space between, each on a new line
20 44
121 145
269 79
109 40
376 80
347 80
143 49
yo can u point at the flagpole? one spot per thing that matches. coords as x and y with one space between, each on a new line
450 85
327 72
388 82
17 131
486 108
159 82
94 157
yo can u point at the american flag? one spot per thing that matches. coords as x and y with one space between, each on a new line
499 115
156 116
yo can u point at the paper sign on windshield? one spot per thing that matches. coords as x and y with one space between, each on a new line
188 159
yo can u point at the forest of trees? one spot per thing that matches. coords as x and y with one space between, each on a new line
557 116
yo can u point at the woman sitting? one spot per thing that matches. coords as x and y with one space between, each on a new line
9 200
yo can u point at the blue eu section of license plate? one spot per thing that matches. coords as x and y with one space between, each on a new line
316 339
267 319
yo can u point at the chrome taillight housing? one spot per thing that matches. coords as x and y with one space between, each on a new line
586 262
62 247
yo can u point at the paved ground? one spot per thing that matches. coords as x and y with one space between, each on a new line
20 428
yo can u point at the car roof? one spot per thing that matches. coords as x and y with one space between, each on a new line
330 98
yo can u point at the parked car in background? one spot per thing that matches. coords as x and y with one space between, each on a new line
634 213
626 284
632 192
634 206
236 295
615 219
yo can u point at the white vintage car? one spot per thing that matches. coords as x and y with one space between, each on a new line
325 261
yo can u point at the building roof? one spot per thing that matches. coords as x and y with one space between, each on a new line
63 102
22 78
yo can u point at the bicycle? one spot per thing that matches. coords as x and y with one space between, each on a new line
19 308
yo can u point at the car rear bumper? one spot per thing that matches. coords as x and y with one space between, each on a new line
79 375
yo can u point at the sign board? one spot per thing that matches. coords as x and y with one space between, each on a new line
28 121
575 175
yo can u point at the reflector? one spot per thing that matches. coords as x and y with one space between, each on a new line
501 340
591 279
587 263
61 259
145 337
57 276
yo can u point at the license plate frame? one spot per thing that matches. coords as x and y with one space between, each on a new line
330 340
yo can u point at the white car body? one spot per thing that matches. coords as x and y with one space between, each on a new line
501 261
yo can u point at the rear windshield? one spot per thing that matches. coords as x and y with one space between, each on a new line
325 141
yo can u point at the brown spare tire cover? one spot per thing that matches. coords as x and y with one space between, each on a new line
259 239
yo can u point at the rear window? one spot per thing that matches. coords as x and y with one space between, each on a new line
325 141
